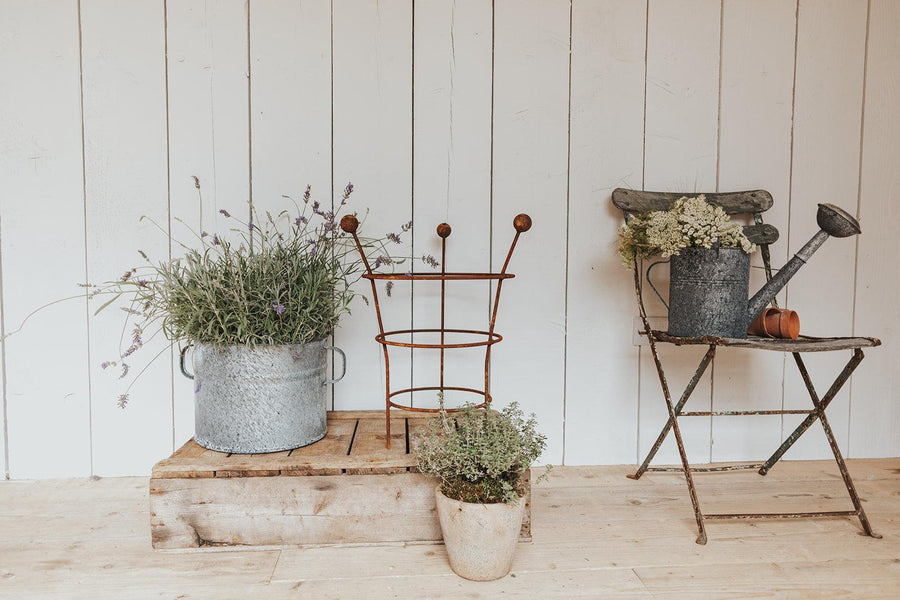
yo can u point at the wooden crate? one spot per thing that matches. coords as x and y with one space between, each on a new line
345 489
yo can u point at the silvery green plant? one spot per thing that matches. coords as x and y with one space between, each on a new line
480 455
689 223
284 279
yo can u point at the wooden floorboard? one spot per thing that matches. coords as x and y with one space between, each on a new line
596 535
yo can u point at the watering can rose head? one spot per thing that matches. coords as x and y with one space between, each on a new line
689 223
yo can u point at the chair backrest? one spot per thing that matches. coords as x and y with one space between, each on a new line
753 202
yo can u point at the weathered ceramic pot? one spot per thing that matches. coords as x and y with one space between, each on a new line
481 539
252 400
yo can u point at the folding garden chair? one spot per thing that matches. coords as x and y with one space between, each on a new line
749 203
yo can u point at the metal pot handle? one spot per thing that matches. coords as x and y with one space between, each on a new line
653 287
181 362
343 360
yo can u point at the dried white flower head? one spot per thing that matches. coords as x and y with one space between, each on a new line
689 223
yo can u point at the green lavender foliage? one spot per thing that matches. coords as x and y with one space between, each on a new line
284 279
480 455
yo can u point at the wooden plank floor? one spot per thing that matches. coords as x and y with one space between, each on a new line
596 535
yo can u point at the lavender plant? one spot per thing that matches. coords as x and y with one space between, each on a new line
480 455
286 279
689 223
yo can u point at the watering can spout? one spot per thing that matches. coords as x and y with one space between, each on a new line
833 221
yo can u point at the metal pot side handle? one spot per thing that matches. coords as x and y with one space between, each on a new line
181 362
653 287
343 360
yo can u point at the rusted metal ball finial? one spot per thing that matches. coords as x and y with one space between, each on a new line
522 223
349 223
443 230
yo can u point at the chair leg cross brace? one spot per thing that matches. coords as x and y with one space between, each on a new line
818 414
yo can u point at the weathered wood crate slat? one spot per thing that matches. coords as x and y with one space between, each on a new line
345 489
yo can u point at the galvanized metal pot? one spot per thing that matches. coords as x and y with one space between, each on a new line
708 290
252 400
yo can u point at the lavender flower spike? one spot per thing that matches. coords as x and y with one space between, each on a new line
224 212
393 237
278 307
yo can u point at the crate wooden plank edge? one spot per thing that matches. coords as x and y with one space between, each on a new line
298 511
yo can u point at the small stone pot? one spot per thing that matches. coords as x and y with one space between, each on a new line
253 400
481 539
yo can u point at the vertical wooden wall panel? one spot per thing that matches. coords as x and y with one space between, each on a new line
452 143
290 59
125 179
875 393
608 43
827 111
531 44
208 134
372 110
680 155
42 231
755 153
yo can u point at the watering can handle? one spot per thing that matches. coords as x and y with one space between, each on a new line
181 362
653 287
343 360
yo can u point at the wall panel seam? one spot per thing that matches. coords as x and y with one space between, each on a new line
87 313
862 133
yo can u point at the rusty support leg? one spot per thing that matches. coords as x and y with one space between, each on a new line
701 368
673 424
821 405
826 400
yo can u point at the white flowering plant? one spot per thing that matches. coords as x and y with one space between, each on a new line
480 455
689 223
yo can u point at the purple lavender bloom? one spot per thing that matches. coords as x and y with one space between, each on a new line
197 387
393 237
348 189
106 364
301 221
216 241
278 307
125 368
250 225
224 212
306 194
430 260
123 400
388 287
406 226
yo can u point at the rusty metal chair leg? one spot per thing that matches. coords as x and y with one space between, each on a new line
826 400
820 406
672 424
701 368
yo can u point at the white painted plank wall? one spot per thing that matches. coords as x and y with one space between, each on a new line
874 411
46 386
826 150
467 112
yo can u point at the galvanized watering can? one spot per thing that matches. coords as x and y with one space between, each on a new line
708 287
252 400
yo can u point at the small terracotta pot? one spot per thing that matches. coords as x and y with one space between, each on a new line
776 323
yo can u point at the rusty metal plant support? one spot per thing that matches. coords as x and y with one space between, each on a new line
632 201
486 339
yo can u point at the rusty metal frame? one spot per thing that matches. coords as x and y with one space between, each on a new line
817 413
486 339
